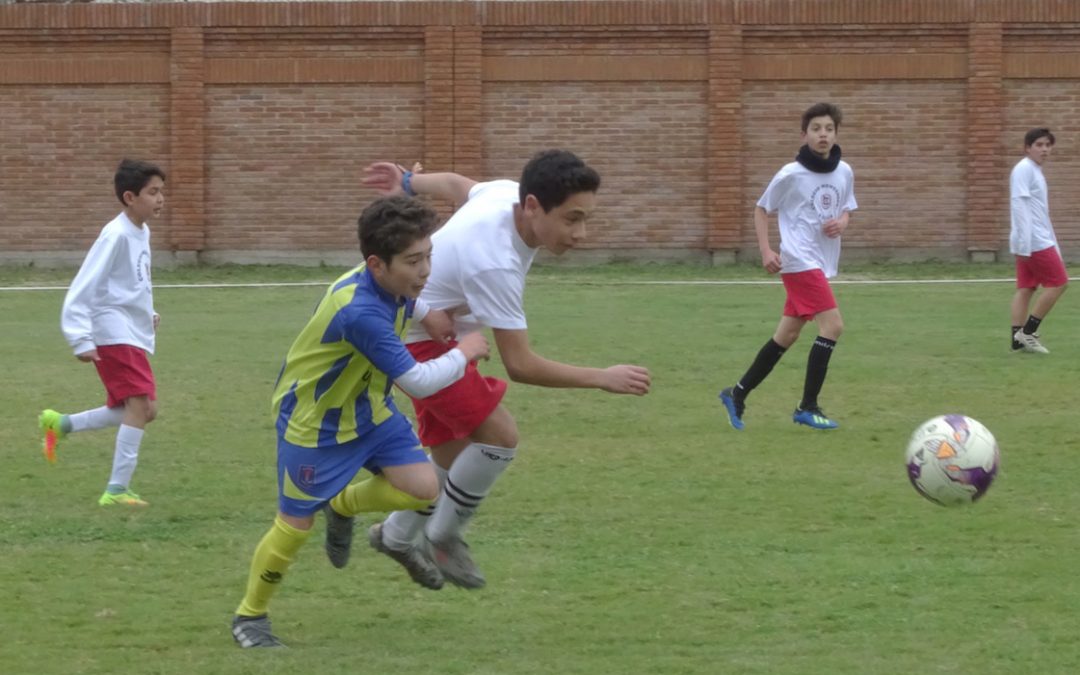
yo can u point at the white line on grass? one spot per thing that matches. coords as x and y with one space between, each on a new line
588 282
265 285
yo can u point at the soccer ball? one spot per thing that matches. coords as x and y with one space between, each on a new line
952 459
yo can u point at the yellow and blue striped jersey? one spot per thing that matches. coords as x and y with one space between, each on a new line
335 385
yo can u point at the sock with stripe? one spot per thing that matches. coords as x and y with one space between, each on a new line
402 528
467 483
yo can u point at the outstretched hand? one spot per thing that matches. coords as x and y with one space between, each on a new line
627 380
384 178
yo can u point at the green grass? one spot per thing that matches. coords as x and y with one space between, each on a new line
632 535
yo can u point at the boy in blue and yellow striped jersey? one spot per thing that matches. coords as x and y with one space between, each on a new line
334 410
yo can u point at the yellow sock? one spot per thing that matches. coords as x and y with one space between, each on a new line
272 558
375 494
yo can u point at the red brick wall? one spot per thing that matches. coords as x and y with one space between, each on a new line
264 113
654 192
283 160
61 145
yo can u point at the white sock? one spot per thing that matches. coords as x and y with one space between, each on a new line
126 455
98 418
470 479
401 529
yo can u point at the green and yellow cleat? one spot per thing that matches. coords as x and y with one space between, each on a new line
125 498
49 423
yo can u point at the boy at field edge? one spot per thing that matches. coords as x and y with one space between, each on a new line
1033 242
334 410
814 196
483 255
108 318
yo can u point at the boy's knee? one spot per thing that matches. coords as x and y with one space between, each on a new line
508 439
499 429
418 481
141 408
786 339
147 410
426 489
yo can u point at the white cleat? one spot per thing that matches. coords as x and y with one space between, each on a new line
1030 343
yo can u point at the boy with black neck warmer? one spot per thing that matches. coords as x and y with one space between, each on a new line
813 196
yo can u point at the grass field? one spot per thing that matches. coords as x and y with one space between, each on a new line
632 535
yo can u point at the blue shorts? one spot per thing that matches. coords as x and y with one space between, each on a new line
310 477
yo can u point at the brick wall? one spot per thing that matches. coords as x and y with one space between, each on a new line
61 144
283 161
263 114
646 139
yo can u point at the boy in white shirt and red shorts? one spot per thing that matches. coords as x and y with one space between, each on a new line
813 196
1032 241
479 263
108 318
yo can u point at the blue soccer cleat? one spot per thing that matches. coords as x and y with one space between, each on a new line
735 409
814 418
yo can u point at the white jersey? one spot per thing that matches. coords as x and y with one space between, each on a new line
806 200
1029 202
479 263
110 301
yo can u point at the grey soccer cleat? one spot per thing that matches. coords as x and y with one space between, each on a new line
254 631
453 560
420 569
339 531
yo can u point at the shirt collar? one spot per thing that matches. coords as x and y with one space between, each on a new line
129 221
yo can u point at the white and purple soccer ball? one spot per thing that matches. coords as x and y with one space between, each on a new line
952 460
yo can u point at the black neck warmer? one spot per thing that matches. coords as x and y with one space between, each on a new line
815 163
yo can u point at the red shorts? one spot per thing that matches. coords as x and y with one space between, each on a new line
808 294
1042 268
125 372
454 412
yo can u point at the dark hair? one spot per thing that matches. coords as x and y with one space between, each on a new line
552 176
132 176
1035 134
821 110
390 225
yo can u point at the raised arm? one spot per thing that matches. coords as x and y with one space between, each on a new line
389 179
526 366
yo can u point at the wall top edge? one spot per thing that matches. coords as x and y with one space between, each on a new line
39 15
